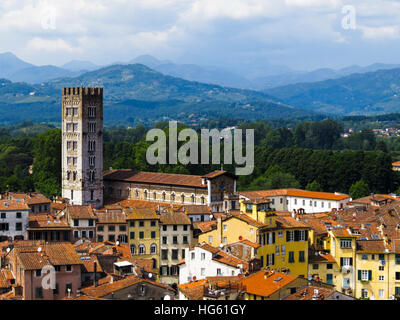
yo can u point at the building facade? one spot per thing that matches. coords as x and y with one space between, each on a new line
14 219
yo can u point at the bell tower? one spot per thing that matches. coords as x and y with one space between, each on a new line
82 146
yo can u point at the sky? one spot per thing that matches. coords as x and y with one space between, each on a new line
235 34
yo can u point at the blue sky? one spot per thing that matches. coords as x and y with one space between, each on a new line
301 34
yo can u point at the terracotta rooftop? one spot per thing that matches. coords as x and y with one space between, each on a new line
47 221
370 246
193 290
217 173
205 226
197 209
264 283
81 212
30 198
110 217
321 258
155 178
174 218
289 222
294 193
141 214
5 278
56 253
107 288
246 218
88 264
11 205
223 257
308 293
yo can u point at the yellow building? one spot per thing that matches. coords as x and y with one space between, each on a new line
233 228
144 234
322 267
284 245
343 250
283 239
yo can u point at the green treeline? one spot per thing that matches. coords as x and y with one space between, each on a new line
312 156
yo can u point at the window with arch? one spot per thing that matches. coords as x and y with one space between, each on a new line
137 193
133 249
202 199
145 194
155 195
193 199
172 196
142 249
163 195
153 249
68 175
183 198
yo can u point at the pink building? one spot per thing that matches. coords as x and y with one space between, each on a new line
26 263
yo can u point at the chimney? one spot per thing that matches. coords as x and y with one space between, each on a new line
95 274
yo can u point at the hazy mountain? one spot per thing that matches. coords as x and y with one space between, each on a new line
359 93
79 65
315 75
148 60
9 64
41 74
138 94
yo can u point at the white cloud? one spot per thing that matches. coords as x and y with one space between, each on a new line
214 30
39 44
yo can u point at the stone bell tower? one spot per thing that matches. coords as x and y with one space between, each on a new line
82 146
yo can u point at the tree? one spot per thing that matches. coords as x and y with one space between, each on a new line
359 189
274 178
313 186
47 164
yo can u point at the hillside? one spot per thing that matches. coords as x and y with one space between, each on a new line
137 94
368 93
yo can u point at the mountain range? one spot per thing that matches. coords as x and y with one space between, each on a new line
264 77
137 94
368 93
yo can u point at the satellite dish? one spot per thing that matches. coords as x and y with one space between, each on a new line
194 278
150 275
211 216
167 297
221 245
240 238
117 243
39 249
8 250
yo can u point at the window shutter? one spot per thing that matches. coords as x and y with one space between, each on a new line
296 235
306 235
351 261
341 262
359 274
287 236
273 259
273 237
370 275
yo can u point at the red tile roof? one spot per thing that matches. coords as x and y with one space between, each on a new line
294 193
264 283
155 178
109 287
81 212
